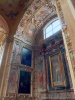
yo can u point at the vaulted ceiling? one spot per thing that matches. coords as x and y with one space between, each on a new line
34 17
25 17
12 11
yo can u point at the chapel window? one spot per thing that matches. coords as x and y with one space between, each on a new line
52 28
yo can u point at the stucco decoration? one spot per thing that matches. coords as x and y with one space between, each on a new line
34 17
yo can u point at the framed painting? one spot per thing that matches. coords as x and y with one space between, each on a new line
26 57
56 70
24 82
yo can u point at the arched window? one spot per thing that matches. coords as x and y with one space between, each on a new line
52 28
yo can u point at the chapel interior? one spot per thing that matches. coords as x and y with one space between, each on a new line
37 49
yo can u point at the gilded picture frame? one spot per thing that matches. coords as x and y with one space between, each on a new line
56 70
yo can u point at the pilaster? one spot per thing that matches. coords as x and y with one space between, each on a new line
5 66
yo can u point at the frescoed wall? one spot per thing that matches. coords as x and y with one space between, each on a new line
26 57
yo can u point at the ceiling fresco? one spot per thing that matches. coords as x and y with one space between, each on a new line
38 12
11 8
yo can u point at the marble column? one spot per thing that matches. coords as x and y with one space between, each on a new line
5 66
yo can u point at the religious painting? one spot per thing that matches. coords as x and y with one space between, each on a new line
24 82
15 58
12 83
56 70
26 57
73 2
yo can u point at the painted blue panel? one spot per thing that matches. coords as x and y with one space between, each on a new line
24 82
26 57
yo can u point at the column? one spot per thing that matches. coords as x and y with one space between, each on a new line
5 66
